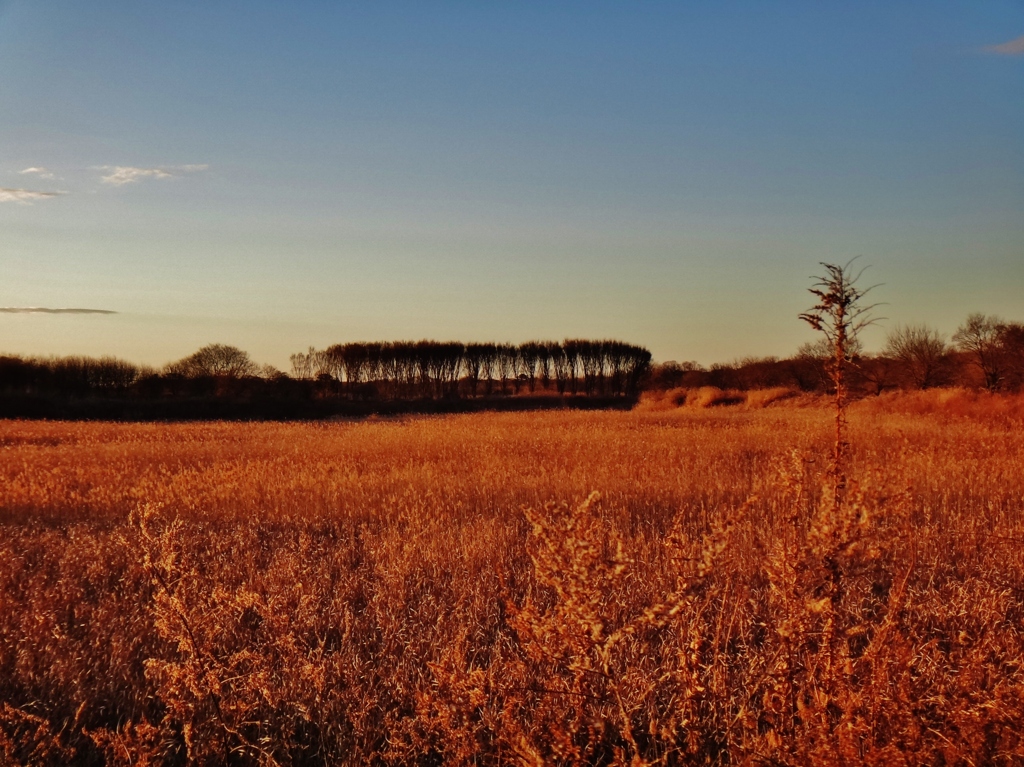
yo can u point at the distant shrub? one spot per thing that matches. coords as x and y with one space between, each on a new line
658 400
759 398
712 396
956 402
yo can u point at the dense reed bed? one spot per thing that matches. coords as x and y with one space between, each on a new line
662 586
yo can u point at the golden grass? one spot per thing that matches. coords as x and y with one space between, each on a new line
712 396
448 590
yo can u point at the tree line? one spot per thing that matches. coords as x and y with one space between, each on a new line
985 352
358 371
452 369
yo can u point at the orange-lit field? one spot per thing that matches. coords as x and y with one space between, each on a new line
447 590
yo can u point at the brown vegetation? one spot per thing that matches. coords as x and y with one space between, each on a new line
448 590
712 396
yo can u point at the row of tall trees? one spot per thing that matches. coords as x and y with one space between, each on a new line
450 369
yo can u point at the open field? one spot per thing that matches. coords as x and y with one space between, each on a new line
447 590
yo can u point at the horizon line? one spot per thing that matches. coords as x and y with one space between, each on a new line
45 310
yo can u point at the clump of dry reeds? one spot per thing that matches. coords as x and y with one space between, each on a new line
712 396
758 398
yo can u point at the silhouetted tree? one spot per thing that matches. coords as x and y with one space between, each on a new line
506 364
17 374
818 356
551 354
877 373
530 354
573 350
1011 345
473 361
302 364
920 352
488 365
667 375
215 360
592 362
979 338
637 366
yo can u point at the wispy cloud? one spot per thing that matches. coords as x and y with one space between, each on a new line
25 196
119 175
1011 48
44 310
41 172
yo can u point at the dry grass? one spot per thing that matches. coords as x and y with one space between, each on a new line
712 396
448 590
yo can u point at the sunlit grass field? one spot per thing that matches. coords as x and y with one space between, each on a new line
450 590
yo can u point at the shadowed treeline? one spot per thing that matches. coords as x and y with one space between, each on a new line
985 352
221 381
358 379
432 369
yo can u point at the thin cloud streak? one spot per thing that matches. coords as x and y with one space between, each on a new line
25 196
41 172
44 310
1010 48
119 175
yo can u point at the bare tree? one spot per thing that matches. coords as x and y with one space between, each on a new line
876 373
325 364
592 362
979 337
551 353
920 351
302 364
573 349
560 366
530 361
1011 345
474 357
616 354
818 356
488 365
216 360
270 373
637 367
110 373
506 362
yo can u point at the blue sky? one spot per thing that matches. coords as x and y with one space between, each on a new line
277 175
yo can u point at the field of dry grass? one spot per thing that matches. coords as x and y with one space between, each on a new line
449 590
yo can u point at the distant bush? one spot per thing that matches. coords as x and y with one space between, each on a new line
215 360
759 398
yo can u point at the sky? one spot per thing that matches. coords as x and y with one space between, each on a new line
283 175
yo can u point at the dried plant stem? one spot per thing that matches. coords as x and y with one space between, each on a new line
840 315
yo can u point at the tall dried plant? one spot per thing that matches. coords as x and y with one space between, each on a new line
840 315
